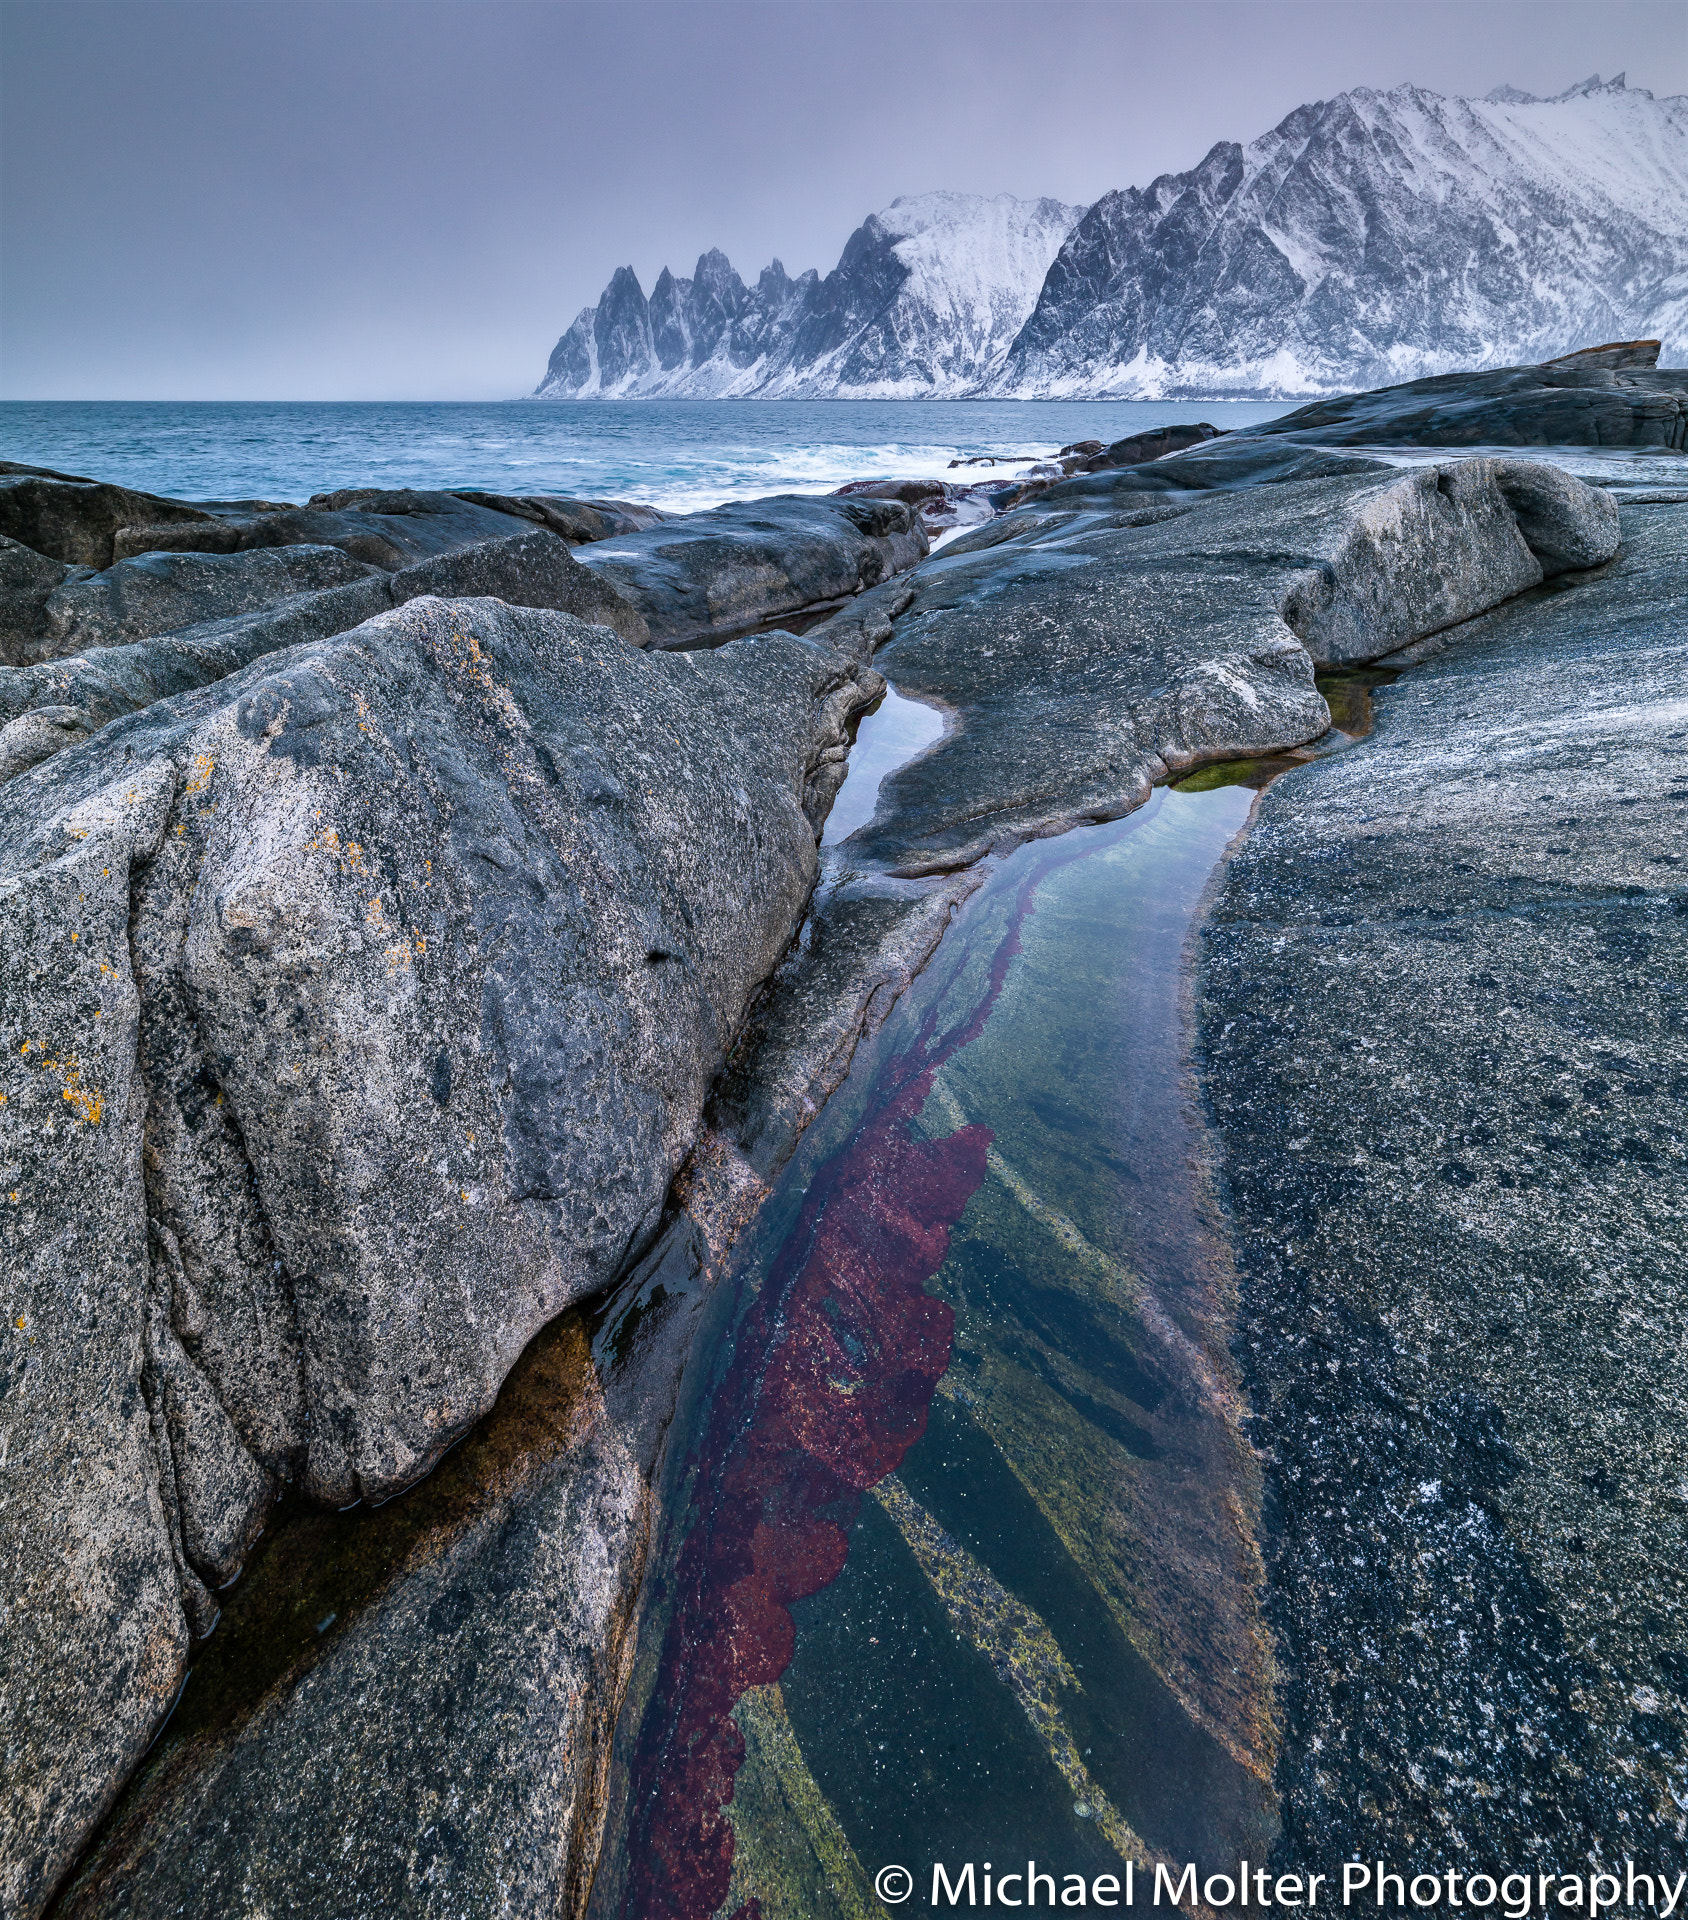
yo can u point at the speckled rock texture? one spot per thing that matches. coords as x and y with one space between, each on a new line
704 577
357 1011
1444 1049
404 1713
55 702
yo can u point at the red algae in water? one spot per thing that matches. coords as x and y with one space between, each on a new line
831 1378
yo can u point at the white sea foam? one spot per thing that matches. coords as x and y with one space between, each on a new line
678 455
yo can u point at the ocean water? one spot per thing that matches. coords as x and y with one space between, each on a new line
682 455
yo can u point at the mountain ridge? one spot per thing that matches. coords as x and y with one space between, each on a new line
1365 240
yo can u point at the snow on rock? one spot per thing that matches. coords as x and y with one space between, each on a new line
925 301
1368 239
1372 239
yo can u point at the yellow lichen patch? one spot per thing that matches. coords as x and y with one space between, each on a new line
348 852
199 773
88 1102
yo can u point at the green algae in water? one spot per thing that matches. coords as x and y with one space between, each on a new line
1347 692
1074 1456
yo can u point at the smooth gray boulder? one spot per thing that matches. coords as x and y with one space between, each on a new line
27 582
385 527
84 691
705 577
1444 1055
162 592
530 569
358 1010
1235 460
447 1726
1086 660
579 521
1603 397
75 520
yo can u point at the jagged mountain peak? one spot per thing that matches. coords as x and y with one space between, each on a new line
1377 236
927 296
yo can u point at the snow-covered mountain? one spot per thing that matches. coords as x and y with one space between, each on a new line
1368 239
924 302
1375 238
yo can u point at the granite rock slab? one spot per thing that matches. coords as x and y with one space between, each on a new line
702 578
162 592
359 1009
1085 660
1442 1047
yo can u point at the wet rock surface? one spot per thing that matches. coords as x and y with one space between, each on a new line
359 1010
703 578
1442 1047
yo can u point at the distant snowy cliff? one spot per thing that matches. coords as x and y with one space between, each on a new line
925 301
1372 238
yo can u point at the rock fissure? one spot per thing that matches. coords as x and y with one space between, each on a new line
476 968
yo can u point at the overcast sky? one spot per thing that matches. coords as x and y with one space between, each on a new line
382 199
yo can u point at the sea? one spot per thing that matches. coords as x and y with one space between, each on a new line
681 455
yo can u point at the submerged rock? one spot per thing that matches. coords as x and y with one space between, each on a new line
359 1009
1443 1052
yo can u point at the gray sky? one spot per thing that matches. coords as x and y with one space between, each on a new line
382 199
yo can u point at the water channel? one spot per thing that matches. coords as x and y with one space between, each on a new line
962 1562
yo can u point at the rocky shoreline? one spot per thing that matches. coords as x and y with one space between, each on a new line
420 962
